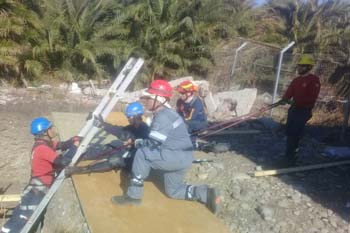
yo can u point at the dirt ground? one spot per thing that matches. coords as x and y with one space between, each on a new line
313 201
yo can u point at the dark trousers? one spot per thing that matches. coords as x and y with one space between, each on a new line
296 121
30 200
194 126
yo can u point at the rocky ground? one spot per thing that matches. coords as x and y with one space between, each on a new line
313 201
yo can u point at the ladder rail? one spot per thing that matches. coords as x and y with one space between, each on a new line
108 108
120 84
114 87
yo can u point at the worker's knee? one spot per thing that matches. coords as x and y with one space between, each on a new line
116 161
136 180
171 192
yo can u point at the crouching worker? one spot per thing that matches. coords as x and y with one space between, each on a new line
45 162
191 108
136 129
169 150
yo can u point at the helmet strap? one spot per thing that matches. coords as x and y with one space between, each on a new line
189 97
156 107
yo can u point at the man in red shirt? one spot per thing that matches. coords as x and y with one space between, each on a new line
302 93
45 162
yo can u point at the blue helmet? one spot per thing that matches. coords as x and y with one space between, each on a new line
40 125
134 109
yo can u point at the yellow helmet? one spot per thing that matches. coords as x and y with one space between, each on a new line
306 59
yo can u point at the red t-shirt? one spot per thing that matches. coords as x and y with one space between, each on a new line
43 156
304 90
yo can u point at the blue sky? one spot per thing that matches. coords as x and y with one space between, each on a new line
260 2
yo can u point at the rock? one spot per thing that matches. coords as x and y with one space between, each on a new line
221 147
266 98
236 192
210 104
202 176
265 212
245 99
284 203
74 88
333 222
241 176
212 172
245 206
318 223
46 86
219 165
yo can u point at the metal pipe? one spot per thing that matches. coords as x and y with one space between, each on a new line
279 71
235 59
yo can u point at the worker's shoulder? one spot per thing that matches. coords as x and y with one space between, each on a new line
197 102
314 77
166 115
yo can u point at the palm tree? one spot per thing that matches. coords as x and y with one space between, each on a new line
164 32
17 29
80 38
310 24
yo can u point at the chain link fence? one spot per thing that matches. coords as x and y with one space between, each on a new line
256 65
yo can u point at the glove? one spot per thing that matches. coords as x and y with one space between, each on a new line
76 140
98 121
89 116
138 143
285 101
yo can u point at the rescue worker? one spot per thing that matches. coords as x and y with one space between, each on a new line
168 149
191 108
136 129
302 94
45 162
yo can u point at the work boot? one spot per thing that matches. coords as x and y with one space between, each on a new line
125 200
213 200
68 171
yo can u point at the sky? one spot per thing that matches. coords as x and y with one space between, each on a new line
260 2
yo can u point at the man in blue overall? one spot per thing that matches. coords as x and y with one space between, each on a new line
136 129
168 149
191 108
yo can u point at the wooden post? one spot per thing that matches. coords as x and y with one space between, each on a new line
10 198
346 119
299 169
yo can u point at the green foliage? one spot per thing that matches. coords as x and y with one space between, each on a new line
91 39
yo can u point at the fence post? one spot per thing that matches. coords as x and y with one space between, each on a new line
279 71
236 56
346 119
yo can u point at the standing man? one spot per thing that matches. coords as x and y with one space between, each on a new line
301 94
136 129
168 149
45 162
191 108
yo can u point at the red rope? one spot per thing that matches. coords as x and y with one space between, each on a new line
234 121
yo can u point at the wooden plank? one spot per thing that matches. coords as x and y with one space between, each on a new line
156 214
299 169
10 198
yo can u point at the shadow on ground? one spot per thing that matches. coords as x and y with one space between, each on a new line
329 187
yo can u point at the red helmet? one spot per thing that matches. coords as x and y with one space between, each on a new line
161 88
186 86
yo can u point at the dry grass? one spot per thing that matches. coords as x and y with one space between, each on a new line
327 114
